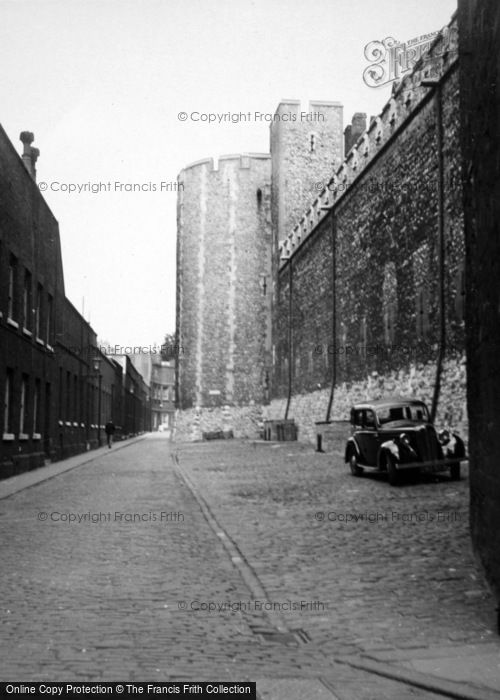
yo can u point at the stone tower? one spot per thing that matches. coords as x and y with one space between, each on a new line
306 148
224 281
230 219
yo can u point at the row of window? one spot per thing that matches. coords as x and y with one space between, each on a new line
28 418
163 393
34 309
24 417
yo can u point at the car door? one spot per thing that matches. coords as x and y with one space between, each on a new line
369 438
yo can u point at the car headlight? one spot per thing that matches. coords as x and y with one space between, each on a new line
444 437
404 439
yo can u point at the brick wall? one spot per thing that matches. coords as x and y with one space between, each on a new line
46 372
479 24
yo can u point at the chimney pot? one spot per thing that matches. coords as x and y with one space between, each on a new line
30 154
27 137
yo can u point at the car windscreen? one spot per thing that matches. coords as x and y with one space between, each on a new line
416 413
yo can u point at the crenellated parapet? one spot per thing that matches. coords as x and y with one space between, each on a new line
242 161
406 97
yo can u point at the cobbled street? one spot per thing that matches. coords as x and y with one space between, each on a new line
107 597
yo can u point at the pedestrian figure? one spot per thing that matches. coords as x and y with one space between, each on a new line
109 429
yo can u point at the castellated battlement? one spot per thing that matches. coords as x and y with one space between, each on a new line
407 96
241 160
314 110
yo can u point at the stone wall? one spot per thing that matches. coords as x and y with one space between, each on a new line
304 152
224 280
479 24
243 421
415 380
374 257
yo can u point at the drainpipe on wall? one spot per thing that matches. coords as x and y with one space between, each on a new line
441 250
290 334
334 317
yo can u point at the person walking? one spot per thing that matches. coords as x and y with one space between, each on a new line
109 429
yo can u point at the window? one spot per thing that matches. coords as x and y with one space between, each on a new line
11 300
36 407
357 418
48 319
38 310
75 397
27 300
363 418
60 386
312 143
259 198
8 402
24 405
68 396
369 419
394 413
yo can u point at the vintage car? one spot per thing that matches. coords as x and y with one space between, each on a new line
394 435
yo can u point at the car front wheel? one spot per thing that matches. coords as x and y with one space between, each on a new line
356 470
455 471
392 473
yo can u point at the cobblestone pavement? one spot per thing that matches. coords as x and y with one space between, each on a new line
382 567
107 597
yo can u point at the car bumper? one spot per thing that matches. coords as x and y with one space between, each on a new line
432 465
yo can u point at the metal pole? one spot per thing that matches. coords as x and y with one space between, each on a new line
334 319
441 245
99 412
290 337
87 405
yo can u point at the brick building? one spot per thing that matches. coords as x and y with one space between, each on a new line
479 24
57 388
135 416
159 375
162 394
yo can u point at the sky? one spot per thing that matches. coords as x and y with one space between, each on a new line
101 84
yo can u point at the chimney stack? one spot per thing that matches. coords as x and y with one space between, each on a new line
30 154
353 131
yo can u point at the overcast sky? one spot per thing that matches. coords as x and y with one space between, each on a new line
101 84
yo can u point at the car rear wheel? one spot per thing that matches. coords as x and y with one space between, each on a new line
455 471
356 470
392 473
